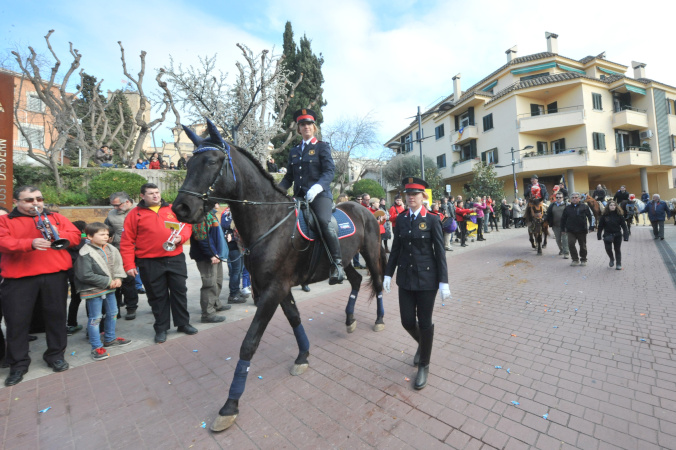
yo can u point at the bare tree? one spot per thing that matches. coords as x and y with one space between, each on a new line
250 111
62 120
350 138
145 127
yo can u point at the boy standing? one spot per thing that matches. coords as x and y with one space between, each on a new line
98 272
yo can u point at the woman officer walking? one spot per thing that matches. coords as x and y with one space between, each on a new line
418 252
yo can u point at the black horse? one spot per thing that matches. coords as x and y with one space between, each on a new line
275 254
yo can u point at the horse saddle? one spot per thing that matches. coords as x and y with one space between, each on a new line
307 225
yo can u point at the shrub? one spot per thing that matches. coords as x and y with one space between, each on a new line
111 181
169 196
64 198
372 187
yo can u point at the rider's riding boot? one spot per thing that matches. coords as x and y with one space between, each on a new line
426 339
415 334
336 274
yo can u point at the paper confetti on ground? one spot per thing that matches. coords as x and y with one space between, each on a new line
407 379
195 351
545 416
555 326
643 340
228 358
72 354
260 377
45 410
508 371
513 335
204 425
515 403
498 367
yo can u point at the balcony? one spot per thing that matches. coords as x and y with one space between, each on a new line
464 167
634 156
630 119
558 119
468 132
539 162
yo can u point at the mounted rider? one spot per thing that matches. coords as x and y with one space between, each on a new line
310 171
533 183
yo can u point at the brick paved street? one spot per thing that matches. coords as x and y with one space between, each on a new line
590 348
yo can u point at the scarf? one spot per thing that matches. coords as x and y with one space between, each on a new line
201 229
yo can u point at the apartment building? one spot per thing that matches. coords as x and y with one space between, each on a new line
583 120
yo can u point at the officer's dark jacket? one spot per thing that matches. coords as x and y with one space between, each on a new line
418 253
314 166
575 218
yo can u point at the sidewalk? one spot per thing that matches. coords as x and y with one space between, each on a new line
589 347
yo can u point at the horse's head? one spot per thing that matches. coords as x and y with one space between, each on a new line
209 167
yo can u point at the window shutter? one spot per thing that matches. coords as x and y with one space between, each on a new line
472 148
563 143
457 123
470 110
602 141
552 108
534 109
495 156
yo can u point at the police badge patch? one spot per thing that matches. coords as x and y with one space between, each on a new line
311 153
423 226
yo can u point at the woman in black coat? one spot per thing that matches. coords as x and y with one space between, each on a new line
614 229
419 258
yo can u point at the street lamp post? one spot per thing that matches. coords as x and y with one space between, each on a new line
514 164
445 106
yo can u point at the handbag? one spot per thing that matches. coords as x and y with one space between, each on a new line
609 237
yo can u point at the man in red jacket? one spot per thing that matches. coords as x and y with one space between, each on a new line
147 228
32 269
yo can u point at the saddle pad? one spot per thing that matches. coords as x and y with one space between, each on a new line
345 225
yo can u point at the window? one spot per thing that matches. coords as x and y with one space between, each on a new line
464 119
532 77
558 146
439 131
673 143
417 135
597 101
670 106
552 108
537 110
541 148
33 102
490 156
488 122
406 144
599 140
35 133
441 161
468 151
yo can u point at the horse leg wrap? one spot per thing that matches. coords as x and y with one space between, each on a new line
349 309
380 308
301 338
239 379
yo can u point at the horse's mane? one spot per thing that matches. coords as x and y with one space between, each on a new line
260 168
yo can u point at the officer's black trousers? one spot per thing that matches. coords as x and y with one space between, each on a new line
416 305
165 282
322 207
19 296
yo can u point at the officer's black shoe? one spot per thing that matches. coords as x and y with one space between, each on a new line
15 377
306 288
421 378
337 275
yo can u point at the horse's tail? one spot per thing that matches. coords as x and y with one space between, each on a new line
378 274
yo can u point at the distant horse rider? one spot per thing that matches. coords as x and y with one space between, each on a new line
310 171
534 182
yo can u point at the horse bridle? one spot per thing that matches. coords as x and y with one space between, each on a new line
207 195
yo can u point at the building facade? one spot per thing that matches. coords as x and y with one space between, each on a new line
583 121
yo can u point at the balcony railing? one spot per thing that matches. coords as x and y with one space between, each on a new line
566 151
628 108
633 148
628 118
552 111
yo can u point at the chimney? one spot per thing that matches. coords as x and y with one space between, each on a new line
639 69
552 43
511 53
456 88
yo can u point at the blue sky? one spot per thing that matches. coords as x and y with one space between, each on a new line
381 57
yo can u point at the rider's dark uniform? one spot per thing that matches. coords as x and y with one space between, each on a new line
310 163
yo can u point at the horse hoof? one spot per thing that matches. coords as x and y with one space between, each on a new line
221 423
299 369
378 327
352 327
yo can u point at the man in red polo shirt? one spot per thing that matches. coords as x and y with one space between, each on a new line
33 269
147 228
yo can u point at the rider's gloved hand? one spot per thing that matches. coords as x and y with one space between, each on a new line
313 191
387 283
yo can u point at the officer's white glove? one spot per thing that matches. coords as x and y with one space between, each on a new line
313 191
387 283
445 291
